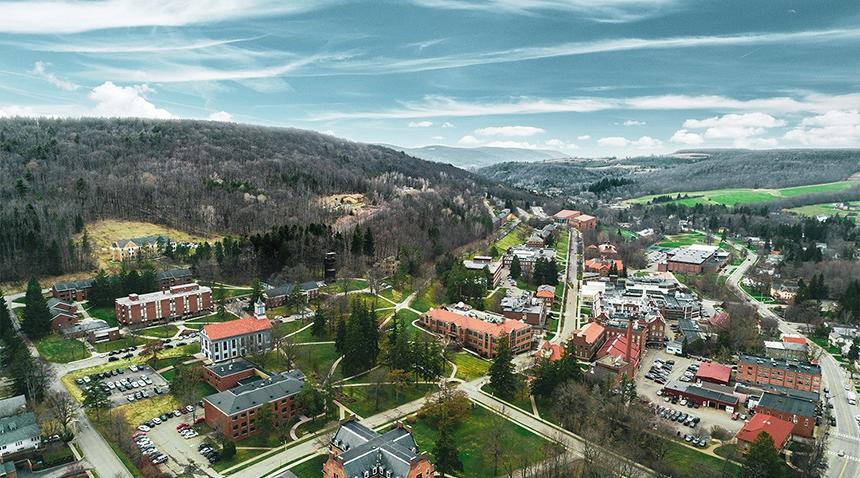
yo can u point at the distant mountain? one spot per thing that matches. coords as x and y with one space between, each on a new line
473 158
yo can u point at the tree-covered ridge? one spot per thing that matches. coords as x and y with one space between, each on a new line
56 175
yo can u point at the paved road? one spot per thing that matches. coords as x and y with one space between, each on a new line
571 311
91 444
846 436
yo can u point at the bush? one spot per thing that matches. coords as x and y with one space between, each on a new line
720 433
229 450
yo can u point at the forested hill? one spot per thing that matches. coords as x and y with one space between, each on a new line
209 177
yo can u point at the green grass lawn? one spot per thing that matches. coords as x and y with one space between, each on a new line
687 461
122 343
103 313
681 240
731 197
395 295
229 292
241 455
561 244
521 398
287 328
627 234
491 302
337 287
825 209
526 285
469 367
428 297
311 468
306 336
161 331
312 360
473 436
517 236
363 400
54 348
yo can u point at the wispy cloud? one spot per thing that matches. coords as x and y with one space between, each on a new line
519 131
613 11
75 16
40 69
420 124
146 45
437 106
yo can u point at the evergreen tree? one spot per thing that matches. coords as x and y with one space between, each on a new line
95 397
319 326
357 245
516 269
340 335
762 459
37 318
445 451
502 377
368 247
5 318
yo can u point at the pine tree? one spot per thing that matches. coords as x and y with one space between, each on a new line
340 336
502 377
762 459
516 269
5 318
368 247
445 451
37 318
95 397
357 245
319 326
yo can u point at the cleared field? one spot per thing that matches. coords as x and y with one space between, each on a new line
367 400
161 331
517 236
731 197
103 233
827 209
469 367
338 286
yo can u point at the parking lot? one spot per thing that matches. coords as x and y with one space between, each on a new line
181 452
649 388
127 384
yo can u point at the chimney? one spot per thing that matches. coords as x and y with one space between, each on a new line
627 354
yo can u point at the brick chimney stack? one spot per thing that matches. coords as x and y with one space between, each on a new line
627 354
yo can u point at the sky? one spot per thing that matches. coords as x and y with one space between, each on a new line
586 78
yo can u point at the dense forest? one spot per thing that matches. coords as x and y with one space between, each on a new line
57 175
685 170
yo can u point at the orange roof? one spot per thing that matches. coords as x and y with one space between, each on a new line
714 371
617 347
778 429
545 294
566 214
232 328
794 339
583 218
601 263
551 351
478 325
591 332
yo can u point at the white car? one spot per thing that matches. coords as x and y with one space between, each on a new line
857 417
143 428
845 386
190 435
156 420
189 408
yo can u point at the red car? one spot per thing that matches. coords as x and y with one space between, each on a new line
182 426
136 435
199 420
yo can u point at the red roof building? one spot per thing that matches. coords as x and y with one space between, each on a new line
550 351
603 265
236 338
714 372
720 321
778 429
794 339
478 330
588 339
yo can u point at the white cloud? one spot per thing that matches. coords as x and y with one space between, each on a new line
75 16
644 143
14 110
756 142
469 140
517 131
220 116
743 129
40 70
512 144
114 101
614 141
584 137
610 11
559 144
420 124
633 123
447 125
837 128
437 138
685 137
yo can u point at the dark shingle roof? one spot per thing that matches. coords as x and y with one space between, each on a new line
788 404
230 368
363 449
174 274
258 392
790 365
73 285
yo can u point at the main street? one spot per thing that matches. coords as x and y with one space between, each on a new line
845 437
570 318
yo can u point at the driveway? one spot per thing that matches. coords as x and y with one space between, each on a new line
181 453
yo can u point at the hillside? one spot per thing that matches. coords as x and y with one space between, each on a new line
472 158
211 178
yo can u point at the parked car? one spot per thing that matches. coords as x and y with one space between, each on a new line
143 428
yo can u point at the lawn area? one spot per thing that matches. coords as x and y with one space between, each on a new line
561 245
428 297
239 457
758 296
825 209
469 367
407 316
311 359
142 410
311 468
521 399
627 234
526 285
54 348
687 461
517 236
395 295
161 331
473 436
681 240
306 336
337 287
363 400
286 328
492 302
732 197
122 343
103 313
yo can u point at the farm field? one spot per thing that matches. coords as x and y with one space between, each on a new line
826 209
731 197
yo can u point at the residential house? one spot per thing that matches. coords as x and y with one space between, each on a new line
784 293
778 429
357 451
19 430
236 338
177 301
63 313
477 330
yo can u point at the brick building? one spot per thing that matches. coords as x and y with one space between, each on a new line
233 411
584 222
277 296
236 338
73 291
714 372
778 429
791 408
224 376
587 340
131 248
694 259
604 265
172 277
479 331
357 451
755 370
63 313
175 302
479 263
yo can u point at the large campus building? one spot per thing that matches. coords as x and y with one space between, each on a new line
173 303
790 374
358 451
793 408
477 330
694 259
236 338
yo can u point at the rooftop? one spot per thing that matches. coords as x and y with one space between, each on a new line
485 322
363 449
791 365
231 368
689 255
258 392
778 429
175 291
17 428
13 405
233 328
72 285
590 332
788 404
714 371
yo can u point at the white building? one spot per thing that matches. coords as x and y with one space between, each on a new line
236 338
18 427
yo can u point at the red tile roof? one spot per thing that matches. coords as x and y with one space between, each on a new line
602 263
714 372
617 347
545 294
794 339
478 325
720 320
591 332
566 214
232 328
584 218
778 429
551 351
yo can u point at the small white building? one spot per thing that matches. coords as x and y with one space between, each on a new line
18 427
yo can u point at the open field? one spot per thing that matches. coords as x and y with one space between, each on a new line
428 297
122 343
625 233
103 233
311 468
517 236
731 197
687 460
469 367
107 314
54 348
365 402
337 287
826 209
161 331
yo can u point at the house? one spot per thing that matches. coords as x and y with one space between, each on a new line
73 291
546 293
480 263
172 277
224 376
103 334
477 330
791 408
584 222
83 328
177 301
784 293
785 350
587 340
130 248
18 427
778 429
694 259
604 265
236 338
842 335
784 373
63 313
232 412
714 372
357 451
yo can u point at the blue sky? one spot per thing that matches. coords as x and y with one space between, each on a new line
622 78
